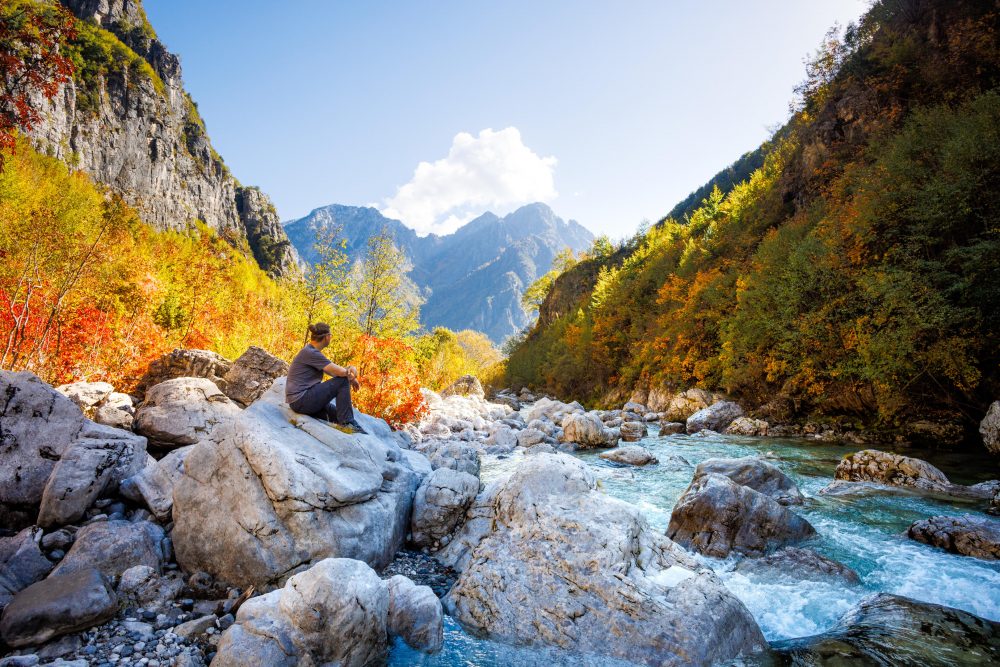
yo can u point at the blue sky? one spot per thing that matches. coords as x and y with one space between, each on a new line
609 111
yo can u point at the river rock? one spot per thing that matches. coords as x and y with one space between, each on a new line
153 486
759 475
334 613
715 417
252 374
587 431
530 437
747 426
37 424
95 463
989 428
671 428
57 606
274 492
716 516
116 411
22 563
440 504
502 440
415 614
632 455
800 564
86 395
183 411
467 385
633 431
886 629
545 559
636 407
969 535
686 403
113 547
142 586
872 465
184 363
455 455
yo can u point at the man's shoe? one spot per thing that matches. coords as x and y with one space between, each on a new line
356 427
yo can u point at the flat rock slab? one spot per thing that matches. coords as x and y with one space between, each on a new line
56 606
969 535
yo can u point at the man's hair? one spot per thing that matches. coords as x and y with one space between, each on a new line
319 330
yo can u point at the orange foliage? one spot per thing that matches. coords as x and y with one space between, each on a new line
390 384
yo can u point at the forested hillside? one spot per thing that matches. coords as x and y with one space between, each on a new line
855 272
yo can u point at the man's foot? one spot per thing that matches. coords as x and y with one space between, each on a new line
355 427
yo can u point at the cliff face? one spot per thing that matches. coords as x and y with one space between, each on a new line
126 120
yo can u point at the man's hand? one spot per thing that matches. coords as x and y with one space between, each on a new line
355 385
352 377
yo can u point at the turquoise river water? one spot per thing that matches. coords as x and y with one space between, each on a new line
864 531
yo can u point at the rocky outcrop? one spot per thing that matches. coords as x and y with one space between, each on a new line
547 560
588 431
22 563
131 126
799 563
968 535
183 411
716 516
251 375
184 363
153 486
467 385
335 613
274 492
86 395
715 417
886 629
632 455
439 506
757 474
37 425
57 606
686 403
95 463
989 428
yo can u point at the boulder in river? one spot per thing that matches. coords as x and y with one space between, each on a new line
633 431
989 428
872 465
686 403
886 629
757 474
440 504
715 417
747 426
252 374
969 535
37 424
56 606
274 492
800 563
415 614
671 428
716 516
632 455
183 411
588 431
335 613
546 559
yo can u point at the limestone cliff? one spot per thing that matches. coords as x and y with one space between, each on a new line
126 120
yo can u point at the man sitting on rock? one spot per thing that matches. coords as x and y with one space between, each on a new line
307 393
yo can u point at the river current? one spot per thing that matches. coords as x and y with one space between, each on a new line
865 531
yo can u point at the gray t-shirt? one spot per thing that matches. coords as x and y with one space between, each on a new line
306 371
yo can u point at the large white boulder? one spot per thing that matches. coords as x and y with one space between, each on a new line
338 612
440 504
545 559
183 411
275 491
587 430
716 417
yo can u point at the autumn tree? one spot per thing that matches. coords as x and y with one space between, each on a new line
533 297
326 282
30 63
383 301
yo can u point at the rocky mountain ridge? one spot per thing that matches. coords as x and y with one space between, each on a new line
126 120
471 279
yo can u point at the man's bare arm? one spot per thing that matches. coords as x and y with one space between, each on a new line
336 371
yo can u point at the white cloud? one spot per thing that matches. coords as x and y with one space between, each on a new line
494 171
